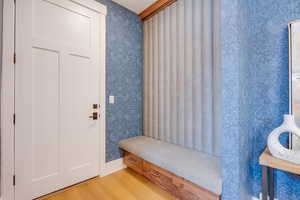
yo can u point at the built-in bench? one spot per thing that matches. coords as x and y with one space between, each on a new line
185 173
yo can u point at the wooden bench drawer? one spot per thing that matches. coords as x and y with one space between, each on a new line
160 177
190 191
133 162
177 186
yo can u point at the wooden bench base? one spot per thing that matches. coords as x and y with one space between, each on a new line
175 185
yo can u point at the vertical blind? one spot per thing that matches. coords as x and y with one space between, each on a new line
181 59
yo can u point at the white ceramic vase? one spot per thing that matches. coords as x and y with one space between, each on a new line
274 145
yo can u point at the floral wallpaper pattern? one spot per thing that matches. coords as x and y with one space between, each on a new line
124 65
254 68
255 91
268 61
231 48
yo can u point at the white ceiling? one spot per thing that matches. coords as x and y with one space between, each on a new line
136 6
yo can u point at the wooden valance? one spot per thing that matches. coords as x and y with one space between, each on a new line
155 8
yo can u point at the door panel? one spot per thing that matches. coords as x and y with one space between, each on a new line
45 120
57 82
74 29
79 129
46 132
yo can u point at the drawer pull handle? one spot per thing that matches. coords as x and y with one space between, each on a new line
132 160
155 173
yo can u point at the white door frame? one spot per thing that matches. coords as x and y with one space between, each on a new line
7 102
8 98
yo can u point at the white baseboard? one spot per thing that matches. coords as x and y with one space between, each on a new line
260 197
255 198
112 167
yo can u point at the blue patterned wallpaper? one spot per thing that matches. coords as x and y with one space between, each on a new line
124 63
254 87
255 90
269 61
230 54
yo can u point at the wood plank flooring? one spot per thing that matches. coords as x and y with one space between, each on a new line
121 185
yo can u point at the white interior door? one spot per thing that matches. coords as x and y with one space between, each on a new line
58 67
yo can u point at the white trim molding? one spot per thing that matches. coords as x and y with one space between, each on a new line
255 198
7 102
112 166
103 91
260 197
93 5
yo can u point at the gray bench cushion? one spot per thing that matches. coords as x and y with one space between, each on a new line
199 168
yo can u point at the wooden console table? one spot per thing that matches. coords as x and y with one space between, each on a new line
269 163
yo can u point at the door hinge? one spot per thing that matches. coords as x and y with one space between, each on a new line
15 58
14 180
14 119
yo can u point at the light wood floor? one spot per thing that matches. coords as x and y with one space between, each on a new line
121 185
